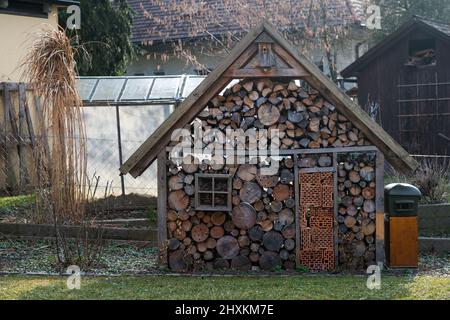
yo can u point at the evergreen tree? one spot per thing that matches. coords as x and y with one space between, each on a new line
105 35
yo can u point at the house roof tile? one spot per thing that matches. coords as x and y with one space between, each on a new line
155 21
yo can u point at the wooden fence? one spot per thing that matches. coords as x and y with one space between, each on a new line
21 136
21 121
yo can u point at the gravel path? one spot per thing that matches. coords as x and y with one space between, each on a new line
38 257
432 264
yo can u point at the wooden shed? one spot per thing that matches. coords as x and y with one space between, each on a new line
405 81
319 206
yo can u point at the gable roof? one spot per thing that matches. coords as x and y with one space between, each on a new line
156 21
439 29
144 156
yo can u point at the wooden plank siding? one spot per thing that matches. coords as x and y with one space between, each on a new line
19 128
162 207
379 213
378 82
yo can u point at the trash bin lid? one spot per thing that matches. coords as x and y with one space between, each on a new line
402 189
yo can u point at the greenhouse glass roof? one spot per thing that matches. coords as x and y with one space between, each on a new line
136 90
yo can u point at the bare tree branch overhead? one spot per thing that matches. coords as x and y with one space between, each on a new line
311 25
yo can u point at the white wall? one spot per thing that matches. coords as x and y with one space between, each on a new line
16 35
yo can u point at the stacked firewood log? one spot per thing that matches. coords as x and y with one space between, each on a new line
304 118
356 191
258 233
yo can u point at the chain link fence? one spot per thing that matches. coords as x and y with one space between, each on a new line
113 133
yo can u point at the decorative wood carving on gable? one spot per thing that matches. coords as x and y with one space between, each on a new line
265 58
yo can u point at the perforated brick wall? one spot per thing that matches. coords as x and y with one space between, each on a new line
316 221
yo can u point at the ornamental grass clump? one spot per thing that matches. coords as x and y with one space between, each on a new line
61 158
432 178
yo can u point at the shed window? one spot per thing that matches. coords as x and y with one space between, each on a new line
213 192
422 52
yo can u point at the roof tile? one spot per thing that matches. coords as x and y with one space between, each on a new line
157 20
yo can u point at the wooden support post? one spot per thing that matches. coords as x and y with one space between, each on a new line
335 209
317 170
22 95
379 219
35 152
297 210
23 159
162 210
119 145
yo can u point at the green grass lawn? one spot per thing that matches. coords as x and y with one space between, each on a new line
167 287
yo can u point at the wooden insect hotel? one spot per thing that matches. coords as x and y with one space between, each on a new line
322 208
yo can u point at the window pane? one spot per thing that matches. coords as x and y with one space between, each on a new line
85 87
205 199
137 89
205 184
108 89
220 200
191 83
221 184
165 88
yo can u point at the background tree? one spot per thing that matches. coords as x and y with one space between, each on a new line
313 25
106 36
396 12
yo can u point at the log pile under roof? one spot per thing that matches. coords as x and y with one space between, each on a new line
259 232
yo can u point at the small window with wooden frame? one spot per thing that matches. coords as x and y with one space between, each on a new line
212 192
